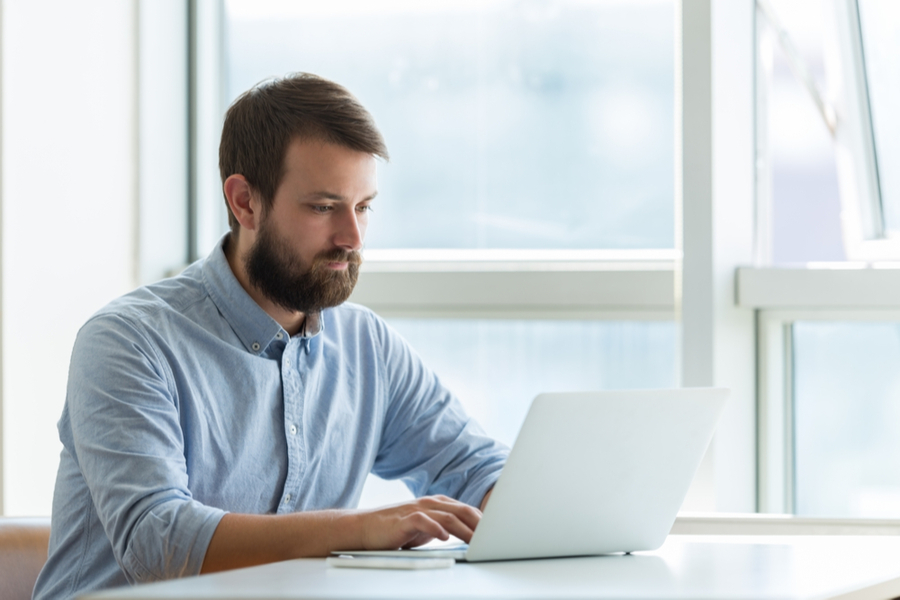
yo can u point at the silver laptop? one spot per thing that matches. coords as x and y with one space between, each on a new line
592 473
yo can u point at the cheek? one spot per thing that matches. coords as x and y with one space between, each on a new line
363 224
310 233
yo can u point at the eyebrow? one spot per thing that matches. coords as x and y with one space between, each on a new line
335 197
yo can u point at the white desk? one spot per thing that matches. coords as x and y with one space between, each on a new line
732 567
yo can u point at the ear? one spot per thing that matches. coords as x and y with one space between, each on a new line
243 202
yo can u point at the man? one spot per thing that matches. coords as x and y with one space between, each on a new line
229 416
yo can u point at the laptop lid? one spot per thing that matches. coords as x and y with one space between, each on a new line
597 472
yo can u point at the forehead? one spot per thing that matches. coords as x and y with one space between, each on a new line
312 165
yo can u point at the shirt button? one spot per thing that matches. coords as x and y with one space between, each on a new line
278 336
293 430
287 498
255 346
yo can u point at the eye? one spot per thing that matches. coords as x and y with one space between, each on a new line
320 208
364 208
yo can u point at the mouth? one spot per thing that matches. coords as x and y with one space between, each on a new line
337 261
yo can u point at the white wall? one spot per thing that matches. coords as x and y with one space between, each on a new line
68 194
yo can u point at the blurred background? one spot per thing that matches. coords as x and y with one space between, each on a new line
535 144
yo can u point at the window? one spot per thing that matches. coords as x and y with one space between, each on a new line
464 88
797 193
847 418
497 366
828 400
532 125
523 238
864 89
825 124
879 24
825 324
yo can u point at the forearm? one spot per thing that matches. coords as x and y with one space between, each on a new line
247 540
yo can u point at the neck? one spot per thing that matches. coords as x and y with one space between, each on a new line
235 249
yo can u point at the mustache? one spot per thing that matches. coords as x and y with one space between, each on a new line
352 257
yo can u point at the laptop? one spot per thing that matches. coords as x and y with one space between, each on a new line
592 473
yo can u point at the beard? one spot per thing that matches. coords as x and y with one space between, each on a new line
281 275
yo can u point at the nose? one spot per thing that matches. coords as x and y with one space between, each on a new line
350 230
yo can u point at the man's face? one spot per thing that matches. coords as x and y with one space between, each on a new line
306 253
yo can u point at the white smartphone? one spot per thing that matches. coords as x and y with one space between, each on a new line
388 562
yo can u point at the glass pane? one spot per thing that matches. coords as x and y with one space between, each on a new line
847 419
496 367
538 124
880 27
805 220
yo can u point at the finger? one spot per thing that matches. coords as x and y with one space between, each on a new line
460 509
419 523
453 524
469 515
419 540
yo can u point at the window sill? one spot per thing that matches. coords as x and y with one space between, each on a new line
620 285
820 286
775 524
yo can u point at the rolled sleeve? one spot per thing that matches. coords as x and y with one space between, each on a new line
121 423
428 440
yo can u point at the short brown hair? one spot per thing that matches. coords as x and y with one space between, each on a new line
262 122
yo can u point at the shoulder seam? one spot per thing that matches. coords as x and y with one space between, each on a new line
139 328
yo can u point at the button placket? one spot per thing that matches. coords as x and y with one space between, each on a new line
293 409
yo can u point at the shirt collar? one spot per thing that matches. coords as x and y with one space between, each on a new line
255 328
313 325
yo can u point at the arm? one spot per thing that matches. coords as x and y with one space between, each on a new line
428 439
123 425
246 540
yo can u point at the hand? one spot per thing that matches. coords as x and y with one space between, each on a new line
246 540
418 522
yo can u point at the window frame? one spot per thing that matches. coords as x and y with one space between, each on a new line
864 231
780 297
208 219
866 287
162 148
604 285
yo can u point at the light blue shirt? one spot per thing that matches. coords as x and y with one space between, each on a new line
186 400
